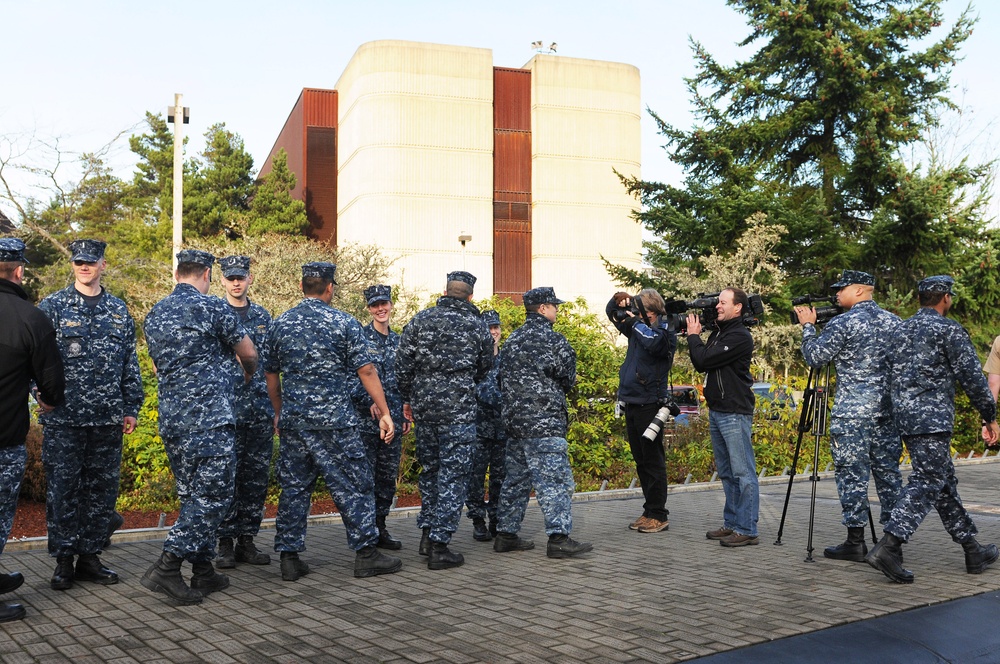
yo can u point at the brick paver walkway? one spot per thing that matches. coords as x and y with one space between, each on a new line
664 597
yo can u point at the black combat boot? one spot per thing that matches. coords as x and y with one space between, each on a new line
493 527
887 557
562 546
854 549
246 552
90 568
291 567
117 521
385 540
164 576
441 557
205 580
425 542
9 612
480 532
62 578
977 556
227 554
510 542
10 582
369 561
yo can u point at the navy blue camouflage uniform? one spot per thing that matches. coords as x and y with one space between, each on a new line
383 458
929 353
537 370
863 437
318 350
443 353
254 432
189 335
82 442
490 451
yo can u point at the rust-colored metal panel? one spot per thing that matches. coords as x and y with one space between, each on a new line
511 161
321 182
512 98
320 107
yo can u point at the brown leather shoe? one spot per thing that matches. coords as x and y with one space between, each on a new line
719 533
635 525
739 540
654 526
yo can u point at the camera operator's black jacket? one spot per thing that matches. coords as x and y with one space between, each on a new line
644 375
725 357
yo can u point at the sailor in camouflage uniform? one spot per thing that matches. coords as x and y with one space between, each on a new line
537 370
314 353
82 440
254 426
863 438
188 333
28 353
382 457
491 444
928 354
443 353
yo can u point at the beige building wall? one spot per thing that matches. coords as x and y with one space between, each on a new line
585 121
416 159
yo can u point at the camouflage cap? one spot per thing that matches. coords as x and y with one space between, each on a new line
848 277
464 277
12 250
941 283
89 251
235 266
195 256
491 317
379 293
541 295
321 270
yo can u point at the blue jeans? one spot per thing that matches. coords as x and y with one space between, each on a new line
737 469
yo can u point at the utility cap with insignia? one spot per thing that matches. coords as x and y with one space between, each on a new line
196 256
848 277
235 266
464 277
12 250
941 283
379 293
325 271
88 251
541 295
491 317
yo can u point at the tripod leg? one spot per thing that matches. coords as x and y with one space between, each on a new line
871 522
819 426
805 423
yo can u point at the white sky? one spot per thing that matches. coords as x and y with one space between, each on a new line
85 71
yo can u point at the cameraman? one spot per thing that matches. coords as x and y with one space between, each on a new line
863 439
725 358
643 386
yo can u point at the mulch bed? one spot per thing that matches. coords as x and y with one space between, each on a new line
29 521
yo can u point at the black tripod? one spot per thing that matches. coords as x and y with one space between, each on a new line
815 401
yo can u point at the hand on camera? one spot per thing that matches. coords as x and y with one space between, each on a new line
805 314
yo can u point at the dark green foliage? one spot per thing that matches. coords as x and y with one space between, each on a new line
273 210
221 187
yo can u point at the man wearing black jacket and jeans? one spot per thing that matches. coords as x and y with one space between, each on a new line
643 381
725 358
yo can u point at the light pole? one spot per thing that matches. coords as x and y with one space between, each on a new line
463 238
174 112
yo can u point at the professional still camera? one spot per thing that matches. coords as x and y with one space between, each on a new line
705 302
666 414
823 314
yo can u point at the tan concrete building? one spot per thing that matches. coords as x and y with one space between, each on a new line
429 143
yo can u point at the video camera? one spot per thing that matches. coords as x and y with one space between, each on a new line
823 314
677 311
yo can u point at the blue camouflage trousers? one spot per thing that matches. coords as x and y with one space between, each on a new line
932 485
864 448
12 462
544 464
204 469
339 455
82 473
444 452
488 453
384 461
253 449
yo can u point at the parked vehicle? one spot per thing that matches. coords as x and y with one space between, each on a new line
772 400
688 399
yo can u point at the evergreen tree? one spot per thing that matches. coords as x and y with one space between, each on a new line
221 186
273 210
808 130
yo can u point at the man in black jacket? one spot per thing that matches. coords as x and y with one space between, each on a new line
726 360
643 381
28 352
